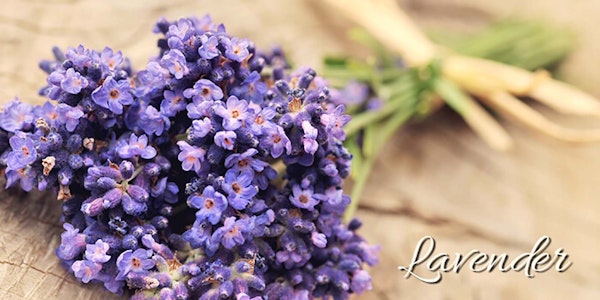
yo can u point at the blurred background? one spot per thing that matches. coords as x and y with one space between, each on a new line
436 178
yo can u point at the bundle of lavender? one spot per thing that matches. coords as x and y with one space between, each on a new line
213 173
408 77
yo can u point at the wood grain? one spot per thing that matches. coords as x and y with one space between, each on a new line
436 178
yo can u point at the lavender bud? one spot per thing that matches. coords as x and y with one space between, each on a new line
112 198
282 86
54 140
129 242
160 222
74 143
75 161
106 183
152 169
137 231
126 168
93 207
354 224
137 193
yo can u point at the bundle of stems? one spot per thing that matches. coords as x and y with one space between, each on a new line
495 66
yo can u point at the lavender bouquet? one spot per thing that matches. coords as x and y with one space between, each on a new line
213 173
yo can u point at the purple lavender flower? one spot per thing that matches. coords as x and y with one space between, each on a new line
309 139
23 153
263 178
73 82
369 252
97 252
361 281
79 56
174 61
225 139
200 110
239 189
199 233
15 116
276 141
304 198
176 43
151 79
335 122
113 95
318 239
190 157
85 270
154 122
289 258
47 111
201 128
181 29
234 114
69 115
237 49
110 59
72 243
55 78
262 122
335 196
108 277
232 232
25 177
162 250
173 103
209 49
251 88
137 261
244 162
137 146
211 205
203 90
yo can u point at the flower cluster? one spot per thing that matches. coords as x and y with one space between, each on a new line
213 173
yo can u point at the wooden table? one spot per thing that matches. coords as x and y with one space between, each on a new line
436 178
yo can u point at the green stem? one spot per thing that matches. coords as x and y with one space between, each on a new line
361 120
376 137
364 169
352 146
452 95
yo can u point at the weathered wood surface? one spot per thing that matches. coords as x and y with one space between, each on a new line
435 178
